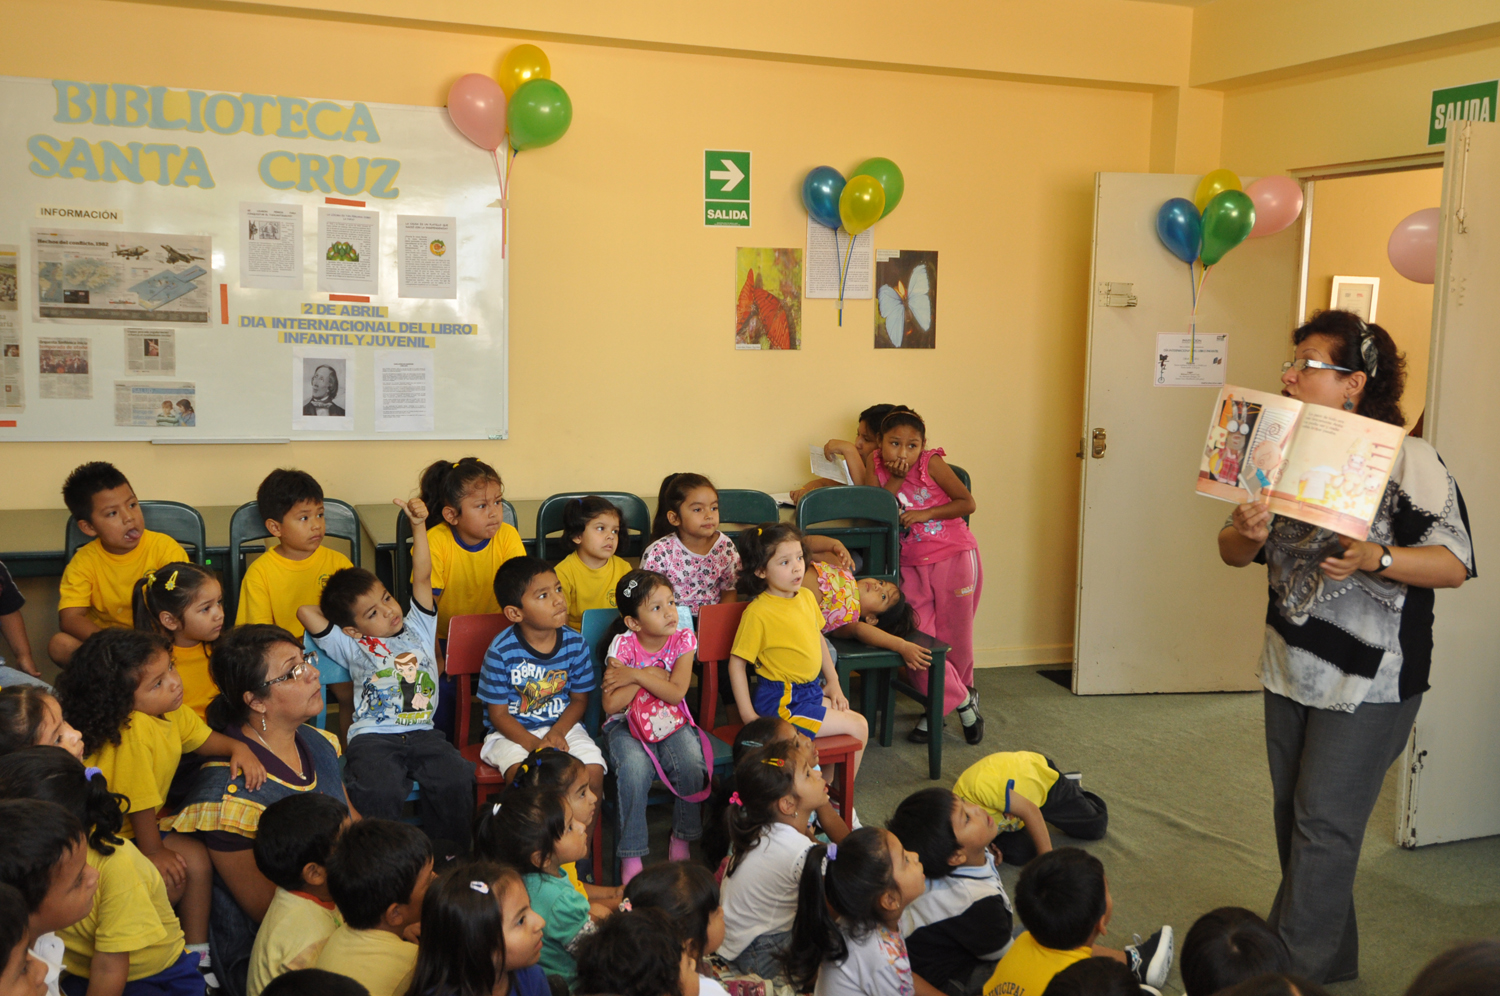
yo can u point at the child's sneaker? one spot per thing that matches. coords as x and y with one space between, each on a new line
1151 960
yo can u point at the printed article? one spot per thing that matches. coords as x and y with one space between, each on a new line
155 404
271 246
348 251
426 256
63 369
109 277
403 390
151 351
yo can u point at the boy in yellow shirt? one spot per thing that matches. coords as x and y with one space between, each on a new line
98 582
1063 899
378 874
293 573
292 844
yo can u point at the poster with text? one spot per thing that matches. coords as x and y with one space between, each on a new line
63 369
12 377
151 351
403 390
116 277
833 259
271 246
322 389
10 285
768 310
348 251
1190 360
906 299
155 404
426 256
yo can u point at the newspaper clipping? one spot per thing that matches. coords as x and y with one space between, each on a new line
348 251
120 276
151 351
426 256
12 381
63 369
155 404
10 286
271 246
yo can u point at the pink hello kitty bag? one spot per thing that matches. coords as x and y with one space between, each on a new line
652 720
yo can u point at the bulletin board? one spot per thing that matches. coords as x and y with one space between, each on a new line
180 265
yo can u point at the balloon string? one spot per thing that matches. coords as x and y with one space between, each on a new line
844 278
1193 287
1193 348
504 197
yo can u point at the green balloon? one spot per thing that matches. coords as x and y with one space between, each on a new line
538 115
888 174
1226 223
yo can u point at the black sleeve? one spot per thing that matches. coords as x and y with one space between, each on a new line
983 928
11 598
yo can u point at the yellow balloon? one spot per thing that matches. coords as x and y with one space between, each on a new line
1214 183
861 203
523 64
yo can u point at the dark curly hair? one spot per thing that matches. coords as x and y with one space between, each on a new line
1366 349
638 953
757 544
51 774
97 689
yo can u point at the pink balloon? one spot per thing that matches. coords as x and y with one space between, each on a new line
1413 246
1278 202
477 106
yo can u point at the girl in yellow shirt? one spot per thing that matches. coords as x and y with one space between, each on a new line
590 574
468 536
184 603
123 693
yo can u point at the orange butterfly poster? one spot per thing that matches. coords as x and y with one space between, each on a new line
905 299
768 308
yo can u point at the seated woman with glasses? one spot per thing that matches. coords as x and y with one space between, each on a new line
269 689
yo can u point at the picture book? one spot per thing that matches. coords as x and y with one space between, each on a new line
1323 466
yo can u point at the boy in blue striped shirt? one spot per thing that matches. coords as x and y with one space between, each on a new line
537 675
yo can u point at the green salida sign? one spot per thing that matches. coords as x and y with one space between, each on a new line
1470 102
726 188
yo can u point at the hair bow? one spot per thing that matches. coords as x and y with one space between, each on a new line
89 773
734 800
625 906
631 586
480 887
171 582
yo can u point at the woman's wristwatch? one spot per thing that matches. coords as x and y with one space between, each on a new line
1385 559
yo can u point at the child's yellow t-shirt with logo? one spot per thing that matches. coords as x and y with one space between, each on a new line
587 587
275 587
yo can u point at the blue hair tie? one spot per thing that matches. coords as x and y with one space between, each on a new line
89 773
833 852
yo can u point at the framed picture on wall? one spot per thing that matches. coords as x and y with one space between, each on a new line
1356 294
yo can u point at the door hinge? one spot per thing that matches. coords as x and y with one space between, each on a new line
1113 294
1099 443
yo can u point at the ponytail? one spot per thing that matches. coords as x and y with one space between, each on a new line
838 900
170 589
51 774
669 498
444 483
757 545
763 777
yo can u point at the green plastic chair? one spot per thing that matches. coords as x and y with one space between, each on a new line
876 531
963 477
246 526
183 523
741 506
401 582
549 519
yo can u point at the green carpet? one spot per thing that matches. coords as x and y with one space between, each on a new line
1190 818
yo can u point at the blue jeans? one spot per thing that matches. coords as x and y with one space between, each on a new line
763 955
681 757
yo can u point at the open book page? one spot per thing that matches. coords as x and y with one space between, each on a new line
833 470
1248 437
1336 470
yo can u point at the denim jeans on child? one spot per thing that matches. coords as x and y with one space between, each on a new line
681 757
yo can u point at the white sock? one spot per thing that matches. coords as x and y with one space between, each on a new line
966 712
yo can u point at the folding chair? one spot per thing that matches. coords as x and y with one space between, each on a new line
468 639
742 507
401 557
635 530
246 526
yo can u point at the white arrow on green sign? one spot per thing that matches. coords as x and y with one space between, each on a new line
726 188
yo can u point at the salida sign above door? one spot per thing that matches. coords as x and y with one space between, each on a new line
1470 102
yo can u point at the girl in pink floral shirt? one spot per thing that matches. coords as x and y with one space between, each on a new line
701 562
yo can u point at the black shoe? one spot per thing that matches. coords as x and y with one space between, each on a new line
919 735
1151 960
974 732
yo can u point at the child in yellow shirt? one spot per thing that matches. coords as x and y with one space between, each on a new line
468 537
98 581
293 572
124 695
590 574
292 844
185 604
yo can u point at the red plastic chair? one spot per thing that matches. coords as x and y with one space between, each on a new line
468 639
716 628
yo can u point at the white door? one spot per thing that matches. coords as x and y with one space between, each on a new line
1450 791
1158 611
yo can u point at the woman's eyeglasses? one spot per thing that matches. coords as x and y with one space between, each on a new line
308 665
1300 365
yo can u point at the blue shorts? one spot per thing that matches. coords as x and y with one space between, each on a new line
799 703
181 978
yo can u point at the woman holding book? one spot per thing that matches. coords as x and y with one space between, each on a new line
1348 641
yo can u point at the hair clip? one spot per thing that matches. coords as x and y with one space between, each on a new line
150 579
734 800
775 762
495 809
625 906
833 852
171 582
480 887
455 464
630 587
751 743
89 773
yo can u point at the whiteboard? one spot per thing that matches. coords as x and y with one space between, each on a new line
85 157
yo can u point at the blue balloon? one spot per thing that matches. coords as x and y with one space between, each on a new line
820 194
1180 228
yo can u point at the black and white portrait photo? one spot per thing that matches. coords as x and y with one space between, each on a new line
324 389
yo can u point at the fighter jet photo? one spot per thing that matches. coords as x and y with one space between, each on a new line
134 252
177 256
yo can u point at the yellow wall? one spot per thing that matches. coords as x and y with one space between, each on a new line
1352 219
622 302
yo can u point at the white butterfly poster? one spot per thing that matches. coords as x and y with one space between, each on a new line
906 299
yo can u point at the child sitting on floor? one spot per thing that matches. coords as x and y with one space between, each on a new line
1227 946
31 717
479 935
1024 791
47 862
960 926
378 875
292 843
96 584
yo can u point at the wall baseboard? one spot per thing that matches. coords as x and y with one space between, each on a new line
1053 653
